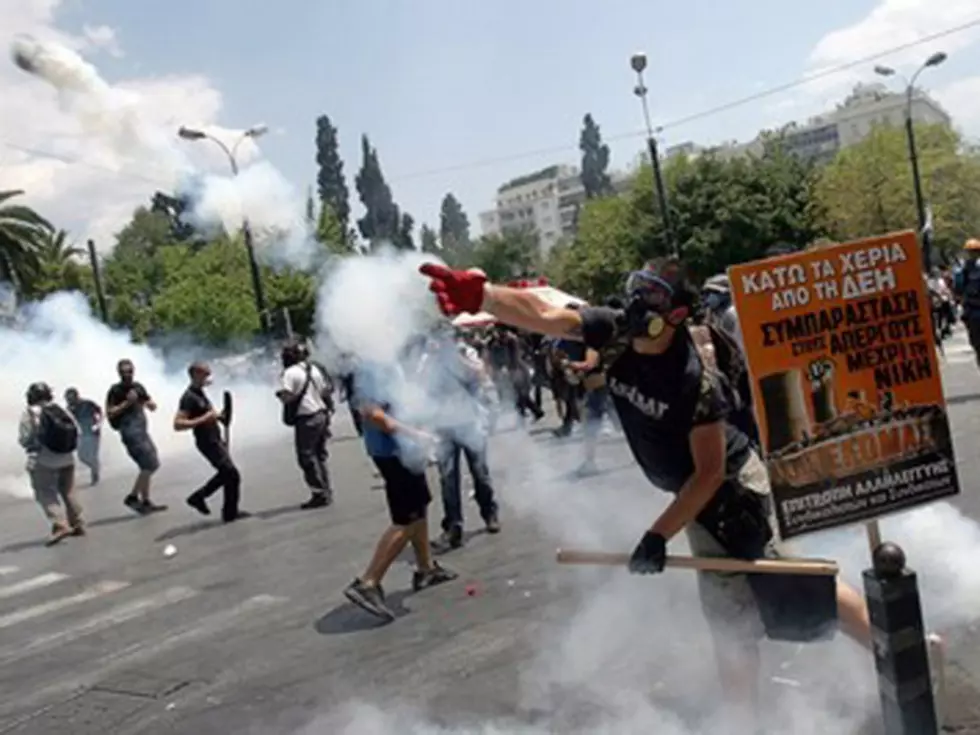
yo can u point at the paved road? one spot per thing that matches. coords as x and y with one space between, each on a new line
245 630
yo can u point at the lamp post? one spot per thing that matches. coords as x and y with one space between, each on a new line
638 62
886 71
253 132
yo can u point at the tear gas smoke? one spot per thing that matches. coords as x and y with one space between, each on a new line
629 639
147 146
59 342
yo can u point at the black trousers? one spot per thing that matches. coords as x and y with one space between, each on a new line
310 438
226 476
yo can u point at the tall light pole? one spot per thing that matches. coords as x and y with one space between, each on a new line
920 205
639 63
253 132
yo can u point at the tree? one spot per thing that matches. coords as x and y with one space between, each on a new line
330 232
429 241
310 212
331 184
381 221
507 255
867 189
22 233
454 232
174 209
595 160
405 240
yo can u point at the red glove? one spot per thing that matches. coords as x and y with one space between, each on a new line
458 292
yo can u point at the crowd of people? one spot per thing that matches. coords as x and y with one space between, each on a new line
664 365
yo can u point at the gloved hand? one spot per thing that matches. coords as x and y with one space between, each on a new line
458 292
650 555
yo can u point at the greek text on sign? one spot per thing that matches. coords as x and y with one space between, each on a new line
846 382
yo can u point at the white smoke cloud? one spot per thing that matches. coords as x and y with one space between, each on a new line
59 342
133 141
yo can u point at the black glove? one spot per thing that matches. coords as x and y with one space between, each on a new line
650 554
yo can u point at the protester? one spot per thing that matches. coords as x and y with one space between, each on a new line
400 452
88 416
196 413
49 435
719 310
307 406
967 287
674 412
126 405
456 375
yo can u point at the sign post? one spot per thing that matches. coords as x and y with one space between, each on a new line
850 405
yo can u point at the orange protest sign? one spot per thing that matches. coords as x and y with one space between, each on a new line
846 381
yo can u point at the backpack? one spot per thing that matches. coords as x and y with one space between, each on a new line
328 387
57 430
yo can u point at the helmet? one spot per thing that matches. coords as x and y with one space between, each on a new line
972 245
717 284
39 393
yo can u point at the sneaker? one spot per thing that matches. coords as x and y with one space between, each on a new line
79 531
150 507
437 575
94 478
451 538
58 533
317 500
493 524
135 504
199 504
370 598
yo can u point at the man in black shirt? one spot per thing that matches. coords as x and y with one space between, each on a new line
88 415
674 410
195 413
126 405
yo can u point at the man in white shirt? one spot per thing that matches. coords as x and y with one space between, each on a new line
49 435
307 406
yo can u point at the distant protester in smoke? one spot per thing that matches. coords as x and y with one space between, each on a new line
400 453
306 393
49 435
456 375
126 405
196 413
88 415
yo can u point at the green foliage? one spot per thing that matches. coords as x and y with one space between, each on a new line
454 232
331 184
429 241
330 232
382 220
508 255
58 267
868 189
405 240
595 160
22 233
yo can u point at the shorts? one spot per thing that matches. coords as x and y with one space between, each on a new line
143 452
780 607
407 493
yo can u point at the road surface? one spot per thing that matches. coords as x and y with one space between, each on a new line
245 629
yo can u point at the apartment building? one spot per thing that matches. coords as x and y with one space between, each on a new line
546 201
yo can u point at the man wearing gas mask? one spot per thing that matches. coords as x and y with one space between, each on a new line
674 406
718 309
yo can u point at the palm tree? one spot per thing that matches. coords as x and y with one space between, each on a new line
54 250
22 230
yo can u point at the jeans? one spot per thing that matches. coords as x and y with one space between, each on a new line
227 476
452 501
312 432
88 451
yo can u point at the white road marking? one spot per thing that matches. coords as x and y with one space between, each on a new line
4 571
97 623
97 670
29 585
92 593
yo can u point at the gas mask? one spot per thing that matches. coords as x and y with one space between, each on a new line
650 308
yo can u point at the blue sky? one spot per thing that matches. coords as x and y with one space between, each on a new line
442 85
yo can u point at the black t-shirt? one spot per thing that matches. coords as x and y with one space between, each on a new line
133 419
660 399
195 404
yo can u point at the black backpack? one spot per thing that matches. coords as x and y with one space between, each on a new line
57 430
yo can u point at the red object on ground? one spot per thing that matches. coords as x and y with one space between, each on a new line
471 590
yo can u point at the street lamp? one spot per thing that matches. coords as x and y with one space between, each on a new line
638 62
253 132
886 71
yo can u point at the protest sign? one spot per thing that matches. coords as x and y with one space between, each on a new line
846 382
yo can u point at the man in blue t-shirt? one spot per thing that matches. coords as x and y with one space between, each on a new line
400 454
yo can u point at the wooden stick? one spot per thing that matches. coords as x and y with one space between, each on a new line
874 536
812 567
